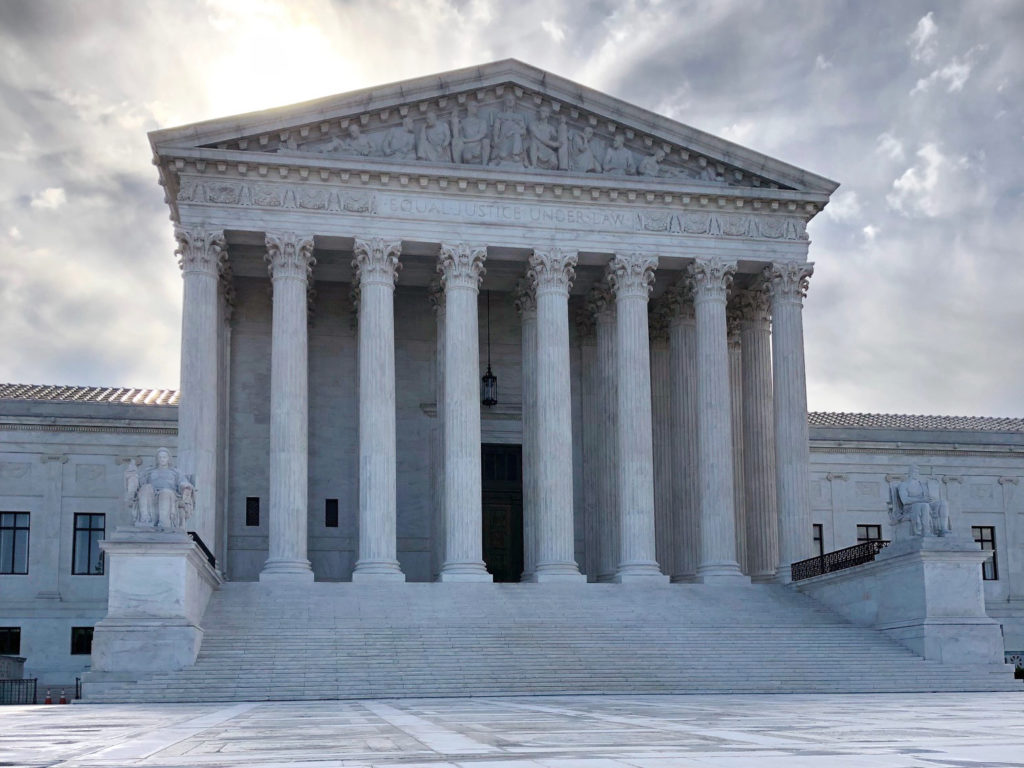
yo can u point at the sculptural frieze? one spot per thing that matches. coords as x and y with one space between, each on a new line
507 133
159 496
916 503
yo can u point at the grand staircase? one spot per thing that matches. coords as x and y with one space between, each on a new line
330 640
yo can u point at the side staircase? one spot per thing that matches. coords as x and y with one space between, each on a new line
334 641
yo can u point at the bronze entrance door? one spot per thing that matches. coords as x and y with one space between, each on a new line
503 510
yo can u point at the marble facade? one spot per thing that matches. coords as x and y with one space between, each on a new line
637 284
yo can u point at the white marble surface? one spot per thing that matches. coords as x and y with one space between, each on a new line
891 731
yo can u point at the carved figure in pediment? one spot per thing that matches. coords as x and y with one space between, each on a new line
435 140
471 141
354 143
584 152
400 141
651 166
707 173
548 144
159 496
509 135
618 159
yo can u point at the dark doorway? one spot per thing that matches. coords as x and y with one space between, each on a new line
503 510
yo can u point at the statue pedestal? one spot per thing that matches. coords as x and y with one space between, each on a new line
160 583
925 593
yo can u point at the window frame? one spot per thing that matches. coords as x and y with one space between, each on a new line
14 528
90 531
13 632
332 516
989 566
84 631
869 529
252 507
818 537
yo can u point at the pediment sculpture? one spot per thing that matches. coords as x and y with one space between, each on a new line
506 134
159 496
916 504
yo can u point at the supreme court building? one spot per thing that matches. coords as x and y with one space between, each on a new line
489 325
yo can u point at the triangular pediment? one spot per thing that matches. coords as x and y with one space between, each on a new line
505 116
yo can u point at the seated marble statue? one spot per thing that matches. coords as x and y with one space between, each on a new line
160 496
916 501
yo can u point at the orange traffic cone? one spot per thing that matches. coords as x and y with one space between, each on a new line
63 697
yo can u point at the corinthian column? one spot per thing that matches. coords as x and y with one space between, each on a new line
682 339
462 269
551 273
788 285
201 255
739 500
631 277
290 258
601 302
526 305
711 280
376 269
758 434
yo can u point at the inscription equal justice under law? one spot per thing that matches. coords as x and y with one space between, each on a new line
589 217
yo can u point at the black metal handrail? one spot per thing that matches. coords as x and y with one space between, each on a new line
830 562
18 691
209 555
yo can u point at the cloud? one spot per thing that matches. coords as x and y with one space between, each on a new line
870 231
555 31
50 198
922 39
821 63
844 206
890 146
930 186
954 75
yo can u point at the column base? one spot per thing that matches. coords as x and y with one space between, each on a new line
287 572
455 572
726 574
378 570
559 572
640 573
763 578
684 578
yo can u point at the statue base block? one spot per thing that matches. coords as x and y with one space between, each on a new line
925 593
160 584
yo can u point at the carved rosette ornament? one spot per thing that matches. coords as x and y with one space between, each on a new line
788 281
525 298
552 271
712 278
632 275
462 266
200 250
289 256
376 261
679 301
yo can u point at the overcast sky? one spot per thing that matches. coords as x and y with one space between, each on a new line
917 108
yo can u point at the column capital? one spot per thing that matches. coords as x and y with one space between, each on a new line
289 256
525 298
658 313
753 304
733 321
435 292
375 260
632 275
788 280
601 300
679 302
200 250
552 270
585 322
711 278
462 266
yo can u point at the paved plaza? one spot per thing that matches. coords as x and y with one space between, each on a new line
888 731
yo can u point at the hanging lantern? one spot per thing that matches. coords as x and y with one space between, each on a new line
489 382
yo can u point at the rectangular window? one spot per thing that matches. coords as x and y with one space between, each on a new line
10 641
331 513
86 558
252 511
985 535
14 542
869 533
81 641
819 540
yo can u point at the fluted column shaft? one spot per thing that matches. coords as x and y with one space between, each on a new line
711 280
683 361
631 278
551 273
739 499
376 268
788 283
602 303
661 419
526 304
290 259
462 268
758 437
436 294
201 254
